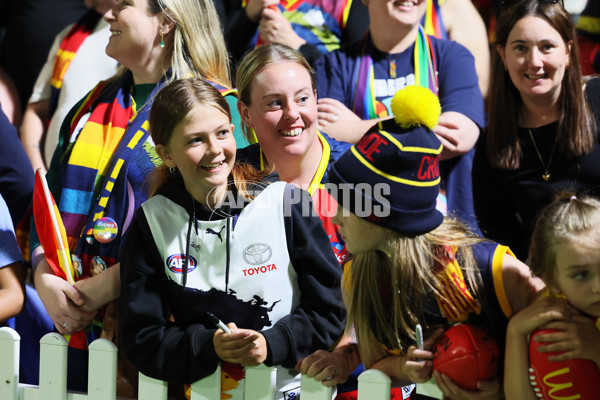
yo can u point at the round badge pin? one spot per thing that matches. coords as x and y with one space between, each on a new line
105 230
77 266
98 265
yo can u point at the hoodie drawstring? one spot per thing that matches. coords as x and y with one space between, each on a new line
187 241
227 262
194 221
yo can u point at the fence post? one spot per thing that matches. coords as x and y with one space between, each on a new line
53 367
150 388
313 389
102 370
260 383
208 388
374 385
9 364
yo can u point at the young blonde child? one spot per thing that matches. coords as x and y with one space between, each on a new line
565 253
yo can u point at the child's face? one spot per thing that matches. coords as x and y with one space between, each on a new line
577 274
202 148
359 234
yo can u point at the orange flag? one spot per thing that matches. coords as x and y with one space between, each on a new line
53 238
51 230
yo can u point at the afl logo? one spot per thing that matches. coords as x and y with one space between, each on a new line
175 263
257 253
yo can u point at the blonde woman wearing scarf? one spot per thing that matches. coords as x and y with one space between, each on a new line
99 168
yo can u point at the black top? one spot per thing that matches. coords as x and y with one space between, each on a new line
182 350
507 201
30 27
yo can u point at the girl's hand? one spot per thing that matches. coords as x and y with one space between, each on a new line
245 347
415 365
579 339
275 28
539 313
330 367
254 8
486 390
330 111
418 364
62 301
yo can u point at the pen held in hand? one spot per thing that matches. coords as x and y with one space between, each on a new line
219 323
419 335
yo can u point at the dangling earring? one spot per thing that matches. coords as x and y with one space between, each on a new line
171 170
162 41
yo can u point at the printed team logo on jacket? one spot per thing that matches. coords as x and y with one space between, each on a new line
257 253
175 263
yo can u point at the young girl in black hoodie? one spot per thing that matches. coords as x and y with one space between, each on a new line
217 237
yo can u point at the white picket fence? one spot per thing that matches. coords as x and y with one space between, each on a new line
260 380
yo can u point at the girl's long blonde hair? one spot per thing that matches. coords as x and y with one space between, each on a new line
172 105
390 317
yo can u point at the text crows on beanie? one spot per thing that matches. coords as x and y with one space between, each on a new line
391 176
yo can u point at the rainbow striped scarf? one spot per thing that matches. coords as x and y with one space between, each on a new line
103 171
432 21
66 51
364 103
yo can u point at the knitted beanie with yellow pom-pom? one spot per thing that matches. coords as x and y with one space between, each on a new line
391 177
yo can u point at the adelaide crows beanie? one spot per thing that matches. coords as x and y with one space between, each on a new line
391 176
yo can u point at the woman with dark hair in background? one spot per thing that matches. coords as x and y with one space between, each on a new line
542 134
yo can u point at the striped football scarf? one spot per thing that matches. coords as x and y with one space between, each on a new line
432 20
455 300
66 51
107 166
364 103
103 174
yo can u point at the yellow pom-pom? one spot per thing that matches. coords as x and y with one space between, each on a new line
414 106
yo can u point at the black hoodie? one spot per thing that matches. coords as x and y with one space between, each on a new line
180 348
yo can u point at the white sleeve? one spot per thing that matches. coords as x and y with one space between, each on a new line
42 87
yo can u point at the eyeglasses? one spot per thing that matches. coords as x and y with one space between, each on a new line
506 4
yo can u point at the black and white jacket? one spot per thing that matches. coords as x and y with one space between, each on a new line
266 265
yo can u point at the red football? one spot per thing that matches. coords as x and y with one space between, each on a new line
467 355
570 379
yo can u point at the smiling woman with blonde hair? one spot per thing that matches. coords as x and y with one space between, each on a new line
105 153
278 104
